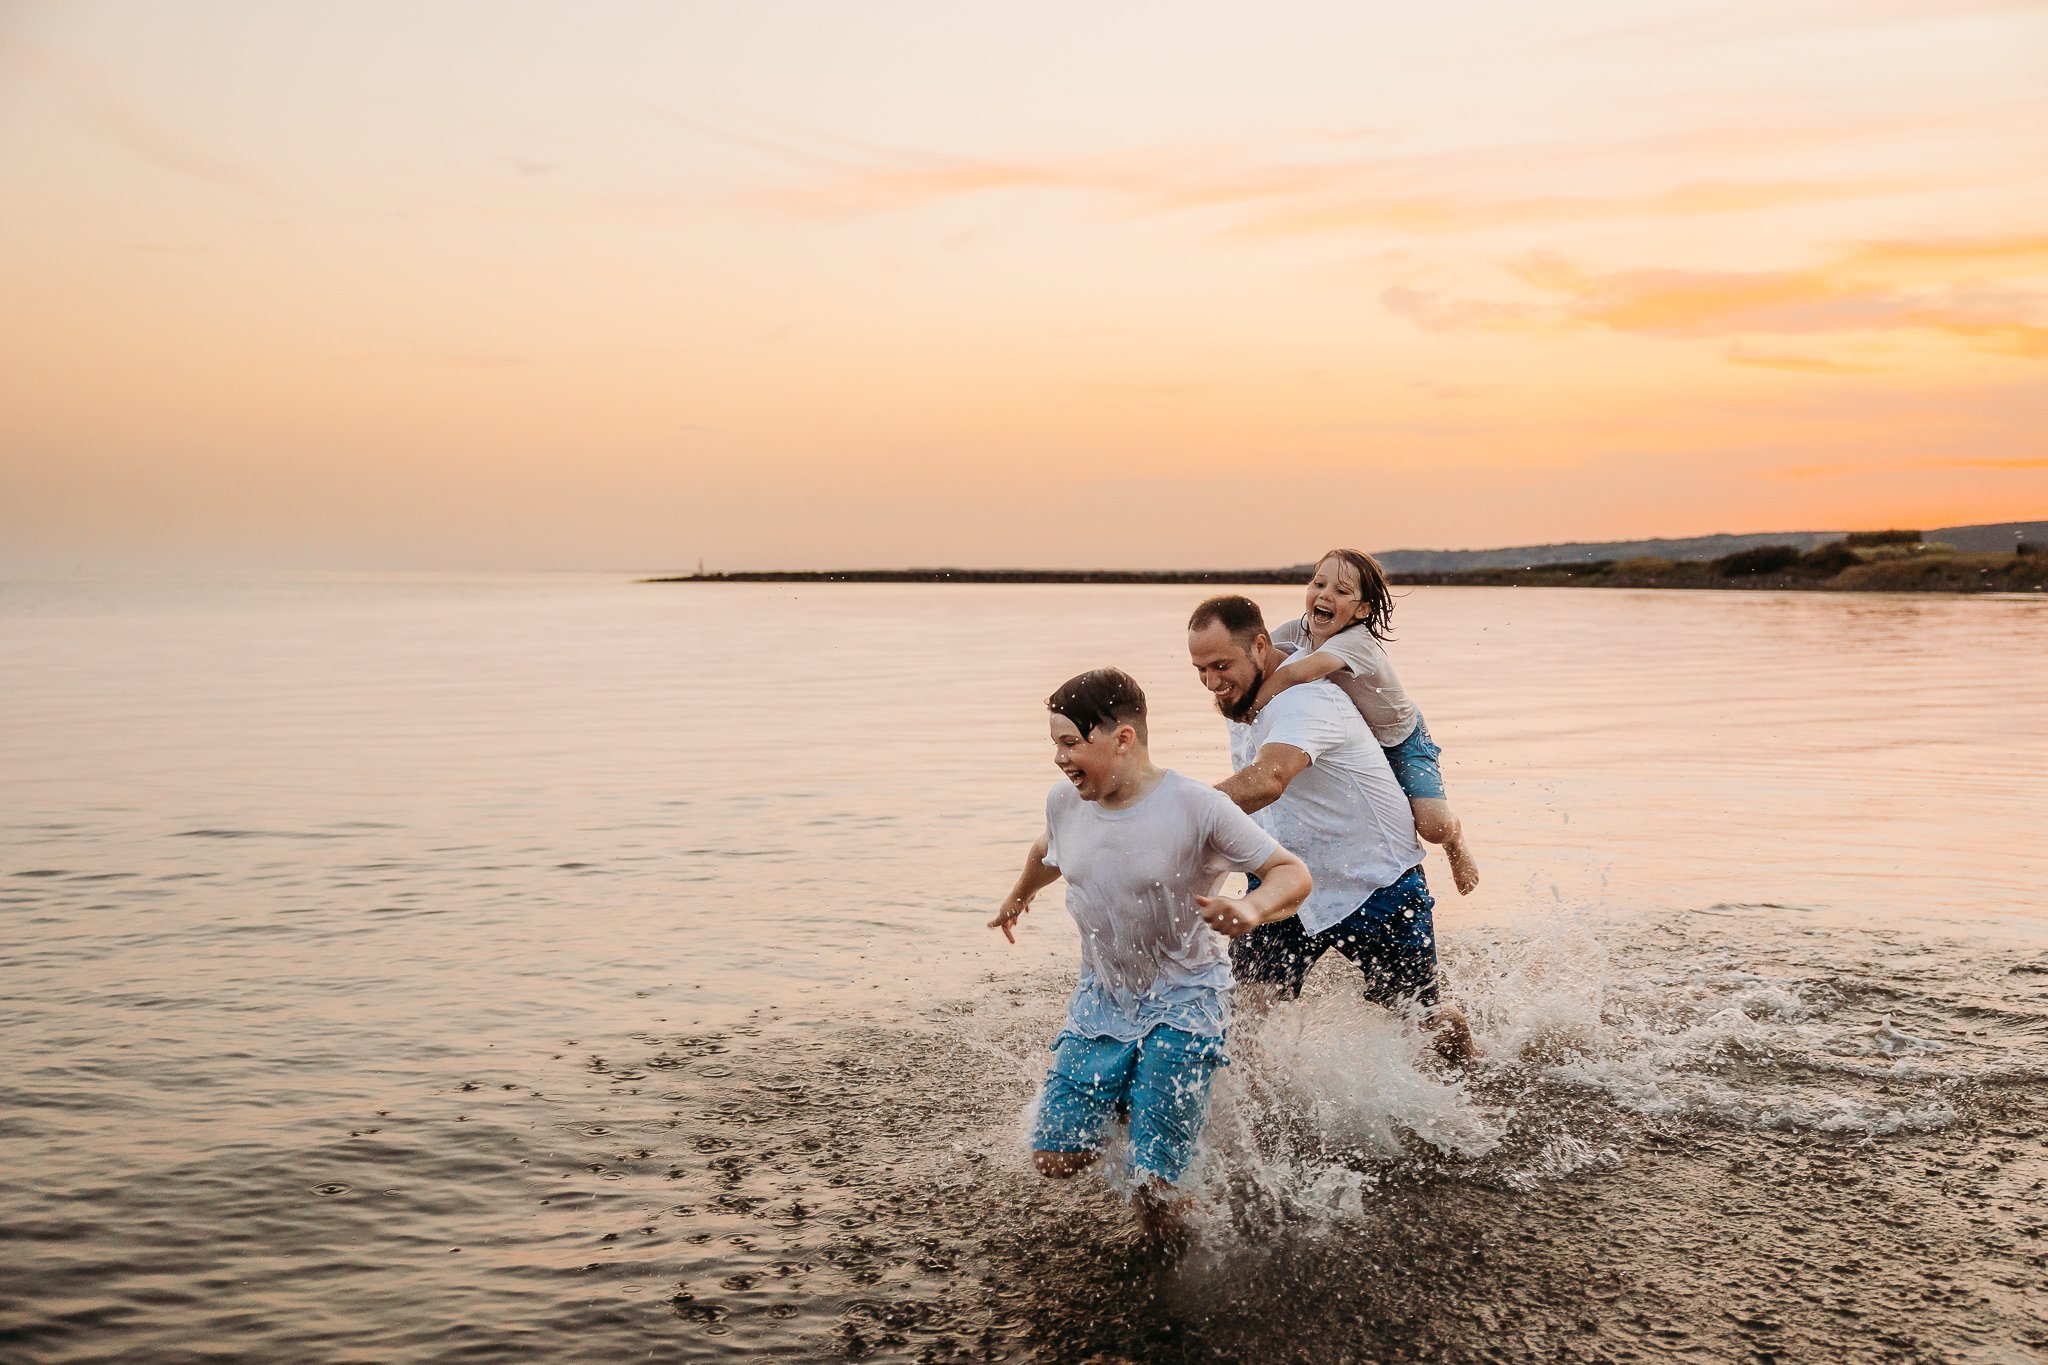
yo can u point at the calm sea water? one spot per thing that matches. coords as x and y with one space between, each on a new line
558 967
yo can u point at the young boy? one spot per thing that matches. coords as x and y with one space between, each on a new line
1139 845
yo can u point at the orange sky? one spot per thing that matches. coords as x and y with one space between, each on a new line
779 285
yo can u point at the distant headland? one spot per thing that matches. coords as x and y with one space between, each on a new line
2001 557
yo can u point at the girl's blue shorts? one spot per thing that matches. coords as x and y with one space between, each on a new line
1162 1079
1415 767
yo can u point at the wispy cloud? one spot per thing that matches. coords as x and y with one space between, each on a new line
1881 287
1713 303
1800 364
101 107
1987 464
1312 183
1803 472
1437 311
1800 473
1450 213
1730 23
2005 338
165 248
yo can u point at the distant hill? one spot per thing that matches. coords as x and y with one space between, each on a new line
1988 539
1995 538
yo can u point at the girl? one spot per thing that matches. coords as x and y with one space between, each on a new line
1349 606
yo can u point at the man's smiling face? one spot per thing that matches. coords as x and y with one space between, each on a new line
1226 668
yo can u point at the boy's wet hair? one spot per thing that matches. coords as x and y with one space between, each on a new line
1238 615
1101 696
1373 592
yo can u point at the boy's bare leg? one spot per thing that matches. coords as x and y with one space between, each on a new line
1162 1214
1435 822
1060 1165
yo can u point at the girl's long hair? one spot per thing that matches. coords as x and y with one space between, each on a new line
1373 592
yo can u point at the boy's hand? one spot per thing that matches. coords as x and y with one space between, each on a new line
1008 915
1227 915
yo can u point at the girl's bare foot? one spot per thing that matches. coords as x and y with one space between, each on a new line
1435 823
1464 871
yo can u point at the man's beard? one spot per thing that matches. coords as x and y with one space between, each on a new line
1241 709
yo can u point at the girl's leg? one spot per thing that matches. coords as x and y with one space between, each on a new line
1437 824
1414 761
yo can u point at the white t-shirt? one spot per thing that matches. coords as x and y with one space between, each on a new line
1344 815
1132 877
1367 677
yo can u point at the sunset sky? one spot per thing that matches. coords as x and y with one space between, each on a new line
845 285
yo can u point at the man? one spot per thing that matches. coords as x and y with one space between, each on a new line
1316 779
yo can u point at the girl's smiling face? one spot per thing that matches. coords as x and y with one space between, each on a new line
1335 599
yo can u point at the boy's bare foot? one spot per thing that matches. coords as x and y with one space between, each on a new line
1464 871
1162 1216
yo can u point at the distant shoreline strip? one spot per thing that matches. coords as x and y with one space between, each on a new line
1289 575
1943 573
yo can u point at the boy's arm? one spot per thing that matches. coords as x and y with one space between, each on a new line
1284 883
1309 668
1037 875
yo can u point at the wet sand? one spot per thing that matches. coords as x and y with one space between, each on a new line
1805 1180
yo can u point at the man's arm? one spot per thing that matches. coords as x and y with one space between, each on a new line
1284 883
1307 669
1260 783
1037 875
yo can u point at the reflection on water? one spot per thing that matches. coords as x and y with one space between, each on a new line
546 966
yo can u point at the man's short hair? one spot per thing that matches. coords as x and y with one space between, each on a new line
1101 696
1238 615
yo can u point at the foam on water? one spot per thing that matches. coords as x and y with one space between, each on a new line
1583 1048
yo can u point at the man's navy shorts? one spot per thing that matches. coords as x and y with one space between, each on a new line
1390 938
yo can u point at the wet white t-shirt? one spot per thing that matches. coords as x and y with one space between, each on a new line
1367 677
1344 815
1132 877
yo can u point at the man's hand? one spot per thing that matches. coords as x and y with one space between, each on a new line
1012 909
1227 915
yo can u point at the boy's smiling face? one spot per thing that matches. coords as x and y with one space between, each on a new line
1091 762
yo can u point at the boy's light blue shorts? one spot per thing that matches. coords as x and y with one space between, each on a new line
1163 1079
1415 767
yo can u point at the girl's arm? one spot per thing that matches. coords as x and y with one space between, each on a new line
1310 668
1037 875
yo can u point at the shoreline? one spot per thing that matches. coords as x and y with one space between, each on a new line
1120 576
1923 572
